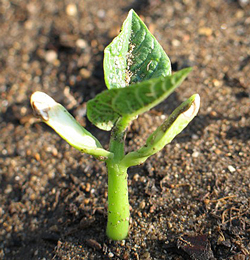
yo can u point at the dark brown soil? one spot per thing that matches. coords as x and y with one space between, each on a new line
191 200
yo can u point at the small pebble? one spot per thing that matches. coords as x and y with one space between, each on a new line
71 10
195 154
142 205
54 228
217 151
217 83
54 152
37 156
88 187
1 211
111 254
206 31
195 137
80 43
176 43
8 189
33 178
85 73
101 13
136 177
51 175
223 26
240 14
231 168
243 3
152 209
32 196
50 56
123 242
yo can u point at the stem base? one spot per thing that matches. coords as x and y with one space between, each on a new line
118 204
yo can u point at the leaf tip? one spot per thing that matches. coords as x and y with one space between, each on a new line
192 111
131 11
41 104
188 70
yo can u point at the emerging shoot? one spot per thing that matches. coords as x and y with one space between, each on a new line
138 76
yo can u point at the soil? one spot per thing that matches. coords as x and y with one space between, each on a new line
189 201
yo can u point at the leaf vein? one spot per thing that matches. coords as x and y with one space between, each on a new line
140 100
137 47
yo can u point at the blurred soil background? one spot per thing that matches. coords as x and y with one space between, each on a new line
189 201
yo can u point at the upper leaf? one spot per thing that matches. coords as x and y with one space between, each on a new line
105 109
134 55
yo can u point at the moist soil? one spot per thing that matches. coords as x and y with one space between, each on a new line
189 201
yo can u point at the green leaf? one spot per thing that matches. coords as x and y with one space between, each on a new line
134 55
175 123
100 111
165 133
105 109
58 118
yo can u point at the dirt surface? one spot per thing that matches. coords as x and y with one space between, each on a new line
191 200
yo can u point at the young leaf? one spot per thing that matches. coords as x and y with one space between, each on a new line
134 55
105 109
165 133
100 111
57 117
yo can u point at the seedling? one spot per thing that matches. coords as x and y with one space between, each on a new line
138 77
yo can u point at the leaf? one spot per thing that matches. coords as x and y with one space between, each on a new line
58 118
105 109
176 122
134 55
100 111
165 133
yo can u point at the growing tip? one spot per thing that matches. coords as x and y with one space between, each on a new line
41 104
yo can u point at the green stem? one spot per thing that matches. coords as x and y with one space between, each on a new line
118 204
